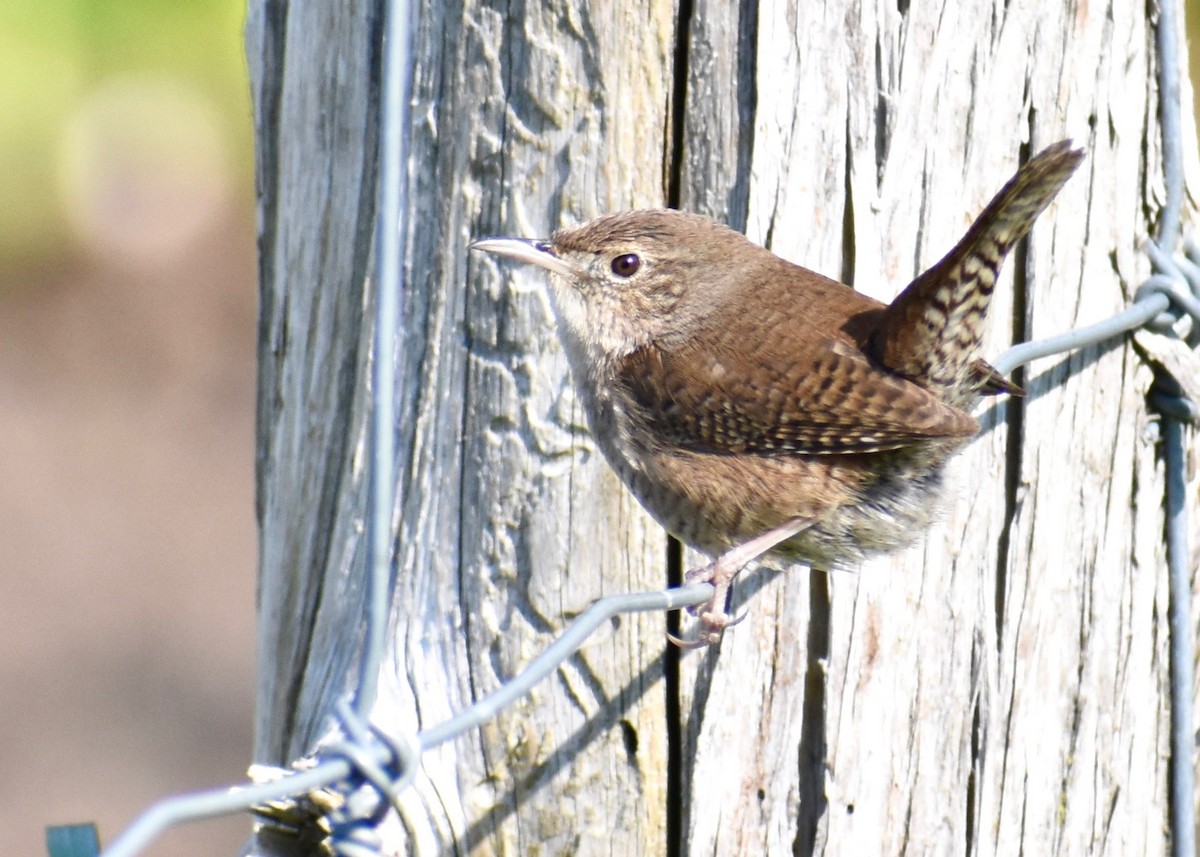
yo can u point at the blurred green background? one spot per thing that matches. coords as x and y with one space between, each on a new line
102 94
127 321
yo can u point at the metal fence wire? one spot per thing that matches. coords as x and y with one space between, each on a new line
346 790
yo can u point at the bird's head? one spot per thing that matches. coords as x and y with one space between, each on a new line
624 280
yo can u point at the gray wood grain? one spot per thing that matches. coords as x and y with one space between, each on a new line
315 131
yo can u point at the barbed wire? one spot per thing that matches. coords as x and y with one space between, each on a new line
353 782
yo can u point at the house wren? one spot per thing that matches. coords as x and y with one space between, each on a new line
753 406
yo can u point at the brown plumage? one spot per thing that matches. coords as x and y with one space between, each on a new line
754 406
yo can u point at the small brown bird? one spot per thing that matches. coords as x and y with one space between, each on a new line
754 406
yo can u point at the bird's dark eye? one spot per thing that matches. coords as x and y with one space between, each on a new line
627 265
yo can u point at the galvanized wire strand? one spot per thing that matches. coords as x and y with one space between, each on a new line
1167 36
1183 738
1130 319
572 639
1192 269
195 806
359 750
1154 298
389 250
1173 290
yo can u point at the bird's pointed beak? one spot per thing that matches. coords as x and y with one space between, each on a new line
527 250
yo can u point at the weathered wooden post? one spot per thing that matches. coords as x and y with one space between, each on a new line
1000 688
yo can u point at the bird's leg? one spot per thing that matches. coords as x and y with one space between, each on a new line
721 573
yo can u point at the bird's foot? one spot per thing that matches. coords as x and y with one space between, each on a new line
712 614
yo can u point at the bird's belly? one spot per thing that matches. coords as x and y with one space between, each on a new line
712 502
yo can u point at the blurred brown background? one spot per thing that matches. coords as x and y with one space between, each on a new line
127 301
127 304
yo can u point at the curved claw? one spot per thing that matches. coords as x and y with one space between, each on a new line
698 643
711 628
